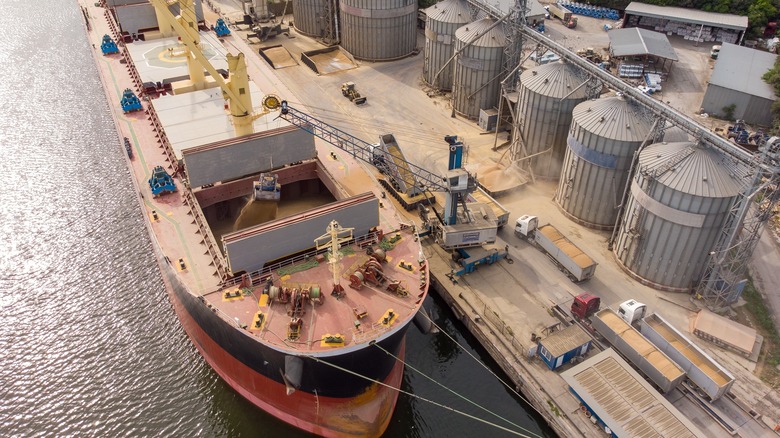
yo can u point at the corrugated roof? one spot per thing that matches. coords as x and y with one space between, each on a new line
566 340
616 118
493 38
686 15
449 11
555 79
626 403
672 134
635 41
693 169
740 68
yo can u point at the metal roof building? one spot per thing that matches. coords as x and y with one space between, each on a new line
691 24
562 346
634 41
736 80
623 401
632 44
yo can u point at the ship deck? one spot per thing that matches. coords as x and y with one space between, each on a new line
180 231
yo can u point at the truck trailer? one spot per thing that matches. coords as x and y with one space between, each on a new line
701 369
577 265
658 367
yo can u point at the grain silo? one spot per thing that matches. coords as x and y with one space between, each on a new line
309 17
601 143
378 30
672 134
680 198
477 81
443 19
548 94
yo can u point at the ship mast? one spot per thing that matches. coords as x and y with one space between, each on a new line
334 237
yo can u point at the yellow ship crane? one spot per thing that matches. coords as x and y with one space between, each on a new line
236 89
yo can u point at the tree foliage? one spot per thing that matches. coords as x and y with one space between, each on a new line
772 77
759 12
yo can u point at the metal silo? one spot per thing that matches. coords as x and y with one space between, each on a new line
680 198
478 67
309 17
443 19
601 143
378 30
672 134
548 94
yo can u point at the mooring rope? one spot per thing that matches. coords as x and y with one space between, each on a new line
508 386
449 408
406 364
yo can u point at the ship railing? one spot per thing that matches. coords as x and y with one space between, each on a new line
360 335
165 144
262 275
205 231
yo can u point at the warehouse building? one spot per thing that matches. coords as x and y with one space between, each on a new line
736 80
622 402
691 24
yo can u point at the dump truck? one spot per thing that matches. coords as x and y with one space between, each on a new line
563 14
658 367
348 90
709 376
577 265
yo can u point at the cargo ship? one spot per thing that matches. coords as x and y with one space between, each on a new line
293 277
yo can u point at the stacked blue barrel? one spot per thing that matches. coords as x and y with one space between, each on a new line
591 11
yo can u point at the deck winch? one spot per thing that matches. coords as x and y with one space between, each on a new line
161 182
221 28
108 46
130 101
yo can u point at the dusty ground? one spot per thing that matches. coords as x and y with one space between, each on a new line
399 103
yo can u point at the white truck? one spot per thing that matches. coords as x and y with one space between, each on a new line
577 265
631 311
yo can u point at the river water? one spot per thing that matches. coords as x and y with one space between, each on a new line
89 344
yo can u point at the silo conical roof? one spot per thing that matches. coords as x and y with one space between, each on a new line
615 118
692 169
493 38
449 11
555 79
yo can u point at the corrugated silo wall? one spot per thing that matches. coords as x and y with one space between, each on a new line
439 47
665 235
308 16
378 30
594 176
546 121
477 81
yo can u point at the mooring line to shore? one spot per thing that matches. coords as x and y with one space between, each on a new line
435 403
508 386
406 364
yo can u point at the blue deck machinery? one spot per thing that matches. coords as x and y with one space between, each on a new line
267 187
221 28
161 182
108 46
130 101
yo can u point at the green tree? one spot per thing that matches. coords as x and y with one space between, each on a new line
772 77
759 14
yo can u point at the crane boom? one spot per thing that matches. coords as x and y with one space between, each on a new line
425 180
